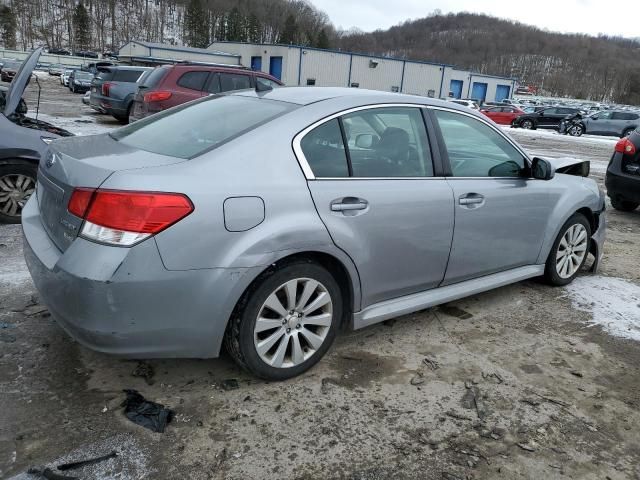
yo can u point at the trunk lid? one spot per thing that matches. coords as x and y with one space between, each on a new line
19 82
82 162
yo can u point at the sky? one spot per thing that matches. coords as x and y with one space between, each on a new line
611 17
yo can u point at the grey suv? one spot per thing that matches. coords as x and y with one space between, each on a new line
268 220
113 89
614 123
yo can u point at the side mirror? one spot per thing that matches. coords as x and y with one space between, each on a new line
364 140
542 169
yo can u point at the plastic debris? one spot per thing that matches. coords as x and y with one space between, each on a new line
151 415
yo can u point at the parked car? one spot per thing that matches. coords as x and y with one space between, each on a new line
623 174
59 51
85 54
93 67
9 70
221 239
532 109
56 69
79 81
465 103
502 115
23 140
113 89
64 78
546 118
172 85
613 123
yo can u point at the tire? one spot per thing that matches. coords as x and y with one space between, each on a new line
569 251
527 125
623 205
576 130
124 120
628 132
17 184
285 334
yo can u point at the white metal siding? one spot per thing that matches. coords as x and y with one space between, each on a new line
422 79
133 49
328 69
454 74
386 75
290 57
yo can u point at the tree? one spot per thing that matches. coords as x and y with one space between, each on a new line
236 31
8 27
196 26
254 33
289 33
323 40
81 27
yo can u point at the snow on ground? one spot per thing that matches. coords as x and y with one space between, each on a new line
614 303
81 125
548 132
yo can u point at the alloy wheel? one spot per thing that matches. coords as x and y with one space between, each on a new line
293 323
527 125
571 251
15 190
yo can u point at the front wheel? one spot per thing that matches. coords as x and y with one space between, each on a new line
287 322
576 130
17 184
569 251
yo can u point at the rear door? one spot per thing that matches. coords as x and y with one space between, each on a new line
372 177
500 214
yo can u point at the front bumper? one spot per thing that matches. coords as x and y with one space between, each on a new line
597 241
123 301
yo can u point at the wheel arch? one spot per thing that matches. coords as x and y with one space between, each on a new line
13 156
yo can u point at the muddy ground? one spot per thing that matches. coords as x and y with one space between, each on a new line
526 381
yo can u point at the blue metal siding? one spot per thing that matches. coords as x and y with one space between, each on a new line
275 67
456 88
503 92
256 63
479 91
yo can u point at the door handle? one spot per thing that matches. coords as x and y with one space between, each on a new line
346 207
471 199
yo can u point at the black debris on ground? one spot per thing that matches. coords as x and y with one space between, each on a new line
151 415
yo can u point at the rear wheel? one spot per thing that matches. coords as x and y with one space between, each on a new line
623 205
527 125
569 251
124 119
287 322
17 184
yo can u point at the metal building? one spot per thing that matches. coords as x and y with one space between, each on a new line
296 65
147 53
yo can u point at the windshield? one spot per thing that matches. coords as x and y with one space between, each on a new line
10 65
83 75
194 128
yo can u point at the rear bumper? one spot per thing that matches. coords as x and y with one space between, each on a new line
123 301
622 185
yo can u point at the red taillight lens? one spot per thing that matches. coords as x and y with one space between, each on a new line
157 96
626 147
124 218
106 88
79 201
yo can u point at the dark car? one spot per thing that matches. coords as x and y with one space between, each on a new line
623 174
58 51
113 88
613 123
79 81
546 118
85 54
9 69
172 85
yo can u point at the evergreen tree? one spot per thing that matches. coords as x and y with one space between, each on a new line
254 33
236 26
8 27
81 27
196 25
323 40
222 32
290 31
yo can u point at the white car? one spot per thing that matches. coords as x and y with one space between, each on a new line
64 78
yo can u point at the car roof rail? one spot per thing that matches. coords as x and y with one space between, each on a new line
211 64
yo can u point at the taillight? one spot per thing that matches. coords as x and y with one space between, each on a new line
157 96
626 147
124 218
106 88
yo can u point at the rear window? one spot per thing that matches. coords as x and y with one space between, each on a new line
104 75
127 75
192 129
193 80
155 77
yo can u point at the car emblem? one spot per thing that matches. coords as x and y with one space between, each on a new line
51 159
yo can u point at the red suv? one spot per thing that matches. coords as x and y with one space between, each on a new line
172 85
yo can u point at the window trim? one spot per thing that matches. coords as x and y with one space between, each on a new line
306 168
439 154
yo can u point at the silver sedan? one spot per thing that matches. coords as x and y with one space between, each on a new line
267 221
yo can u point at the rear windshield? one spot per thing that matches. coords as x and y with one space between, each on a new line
131 76
104 75
154 77
192 129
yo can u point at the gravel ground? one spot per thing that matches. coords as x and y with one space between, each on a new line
526 381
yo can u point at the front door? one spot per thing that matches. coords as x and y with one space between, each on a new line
500 214
376 191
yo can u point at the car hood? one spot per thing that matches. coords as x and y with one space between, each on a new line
19 82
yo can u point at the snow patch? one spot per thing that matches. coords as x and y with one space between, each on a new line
613 302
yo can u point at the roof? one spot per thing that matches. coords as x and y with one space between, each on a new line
177 48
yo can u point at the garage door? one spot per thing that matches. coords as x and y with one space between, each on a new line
503 92
479 91
456 88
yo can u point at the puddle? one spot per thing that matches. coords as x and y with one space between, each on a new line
360 368
613 302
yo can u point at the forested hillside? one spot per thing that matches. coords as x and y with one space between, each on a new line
596 68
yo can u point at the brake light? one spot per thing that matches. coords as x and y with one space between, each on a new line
106 87
157 96
626 147
124 218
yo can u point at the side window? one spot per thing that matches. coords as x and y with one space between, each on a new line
234 81
388 142
324 150
213 85
266 82
477 150
603 115
193 80
550 111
